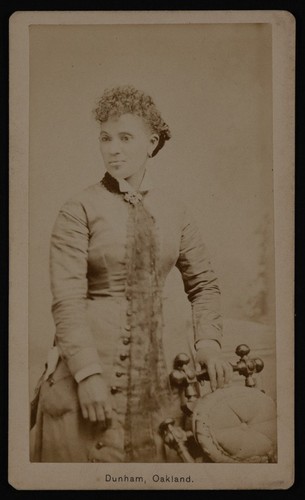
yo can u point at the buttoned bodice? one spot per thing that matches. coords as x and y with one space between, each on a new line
88 262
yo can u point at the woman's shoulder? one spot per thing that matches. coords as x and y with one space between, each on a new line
170 200
174 208
79 204
83 197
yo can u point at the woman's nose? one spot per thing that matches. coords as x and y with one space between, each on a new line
115 147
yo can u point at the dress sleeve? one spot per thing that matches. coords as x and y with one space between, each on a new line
200 283
68 269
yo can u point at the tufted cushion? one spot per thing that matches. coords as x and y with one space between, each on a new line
236 424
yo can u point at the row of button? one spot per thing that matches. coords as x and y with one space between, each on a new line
114 389
123 356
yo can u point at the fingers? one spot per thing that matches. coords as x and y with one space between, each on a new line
212 376
108 413
84 411
94 400
98 413
220 374
228 372
92 413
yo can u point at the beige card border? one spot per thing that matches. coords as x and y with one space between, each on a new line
26 475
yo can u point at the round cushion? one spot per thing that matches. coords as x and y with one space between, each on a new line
236 424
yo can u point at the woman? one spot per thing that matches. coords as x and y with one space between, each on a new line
112 247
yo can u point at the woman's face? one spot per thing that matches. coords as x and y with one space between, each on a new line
125 143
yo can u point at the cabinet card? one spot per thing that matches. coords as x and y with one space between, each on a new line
224 83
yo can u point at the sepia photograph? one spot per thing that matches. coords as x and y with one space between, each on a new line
151 312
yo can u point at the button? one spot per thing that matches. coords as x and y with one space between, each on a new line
128 297
127 328
126 340
129 313
123 357
119 374
99 445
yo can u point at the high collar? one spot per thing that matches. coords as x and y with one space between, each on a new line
146 185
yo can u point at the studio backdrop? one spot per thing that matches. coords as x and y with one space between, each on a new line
213 86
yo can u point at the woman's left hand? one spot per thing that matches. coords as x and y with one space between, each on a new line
220 371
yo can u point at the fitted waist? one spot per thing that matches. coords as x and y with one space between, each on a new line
122 295
112 284
111 302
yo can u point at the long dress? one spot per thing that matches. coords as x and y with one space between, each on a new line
90 308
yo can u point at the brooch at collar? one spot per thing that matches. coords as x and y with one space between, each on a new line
133 198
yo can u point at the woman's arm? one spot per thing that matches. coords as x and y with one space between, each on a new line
68 270
201 286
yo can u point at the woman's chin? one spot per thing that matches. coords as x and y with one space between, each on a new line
117 171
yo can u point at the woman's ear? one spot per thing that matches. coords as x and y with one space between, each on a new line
154 140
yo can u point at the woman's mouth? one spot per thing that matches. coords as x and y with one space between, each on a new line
114 163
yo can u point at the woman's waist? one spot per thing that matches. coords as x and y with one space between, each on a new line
123 293
115 301
114 284
105 301
107 312
106 295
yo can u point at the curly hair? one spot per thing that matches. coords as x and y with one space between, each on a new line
127 99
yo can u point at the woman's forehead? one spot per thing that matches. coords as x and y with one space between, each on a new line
124 123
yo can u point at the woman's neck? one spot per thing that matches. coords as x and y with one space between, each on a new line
136 179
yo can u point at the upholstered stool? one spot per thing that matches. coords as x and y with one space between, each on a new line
236 424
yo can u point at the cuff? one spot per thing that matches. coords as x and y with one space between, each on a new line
203 343
84 358
207 332
87 371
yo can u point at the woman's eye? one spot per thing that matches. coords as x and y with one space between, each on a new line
105 138
125 138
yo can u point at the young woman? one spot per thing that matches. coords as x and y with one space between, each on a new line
112 247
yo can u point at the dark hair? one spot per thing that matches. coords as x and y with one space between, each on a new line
127 99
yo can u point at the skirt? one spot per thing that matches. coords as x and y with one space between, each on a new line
61 434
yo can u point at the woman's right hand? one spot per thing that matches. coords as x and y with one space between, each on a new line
94 400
